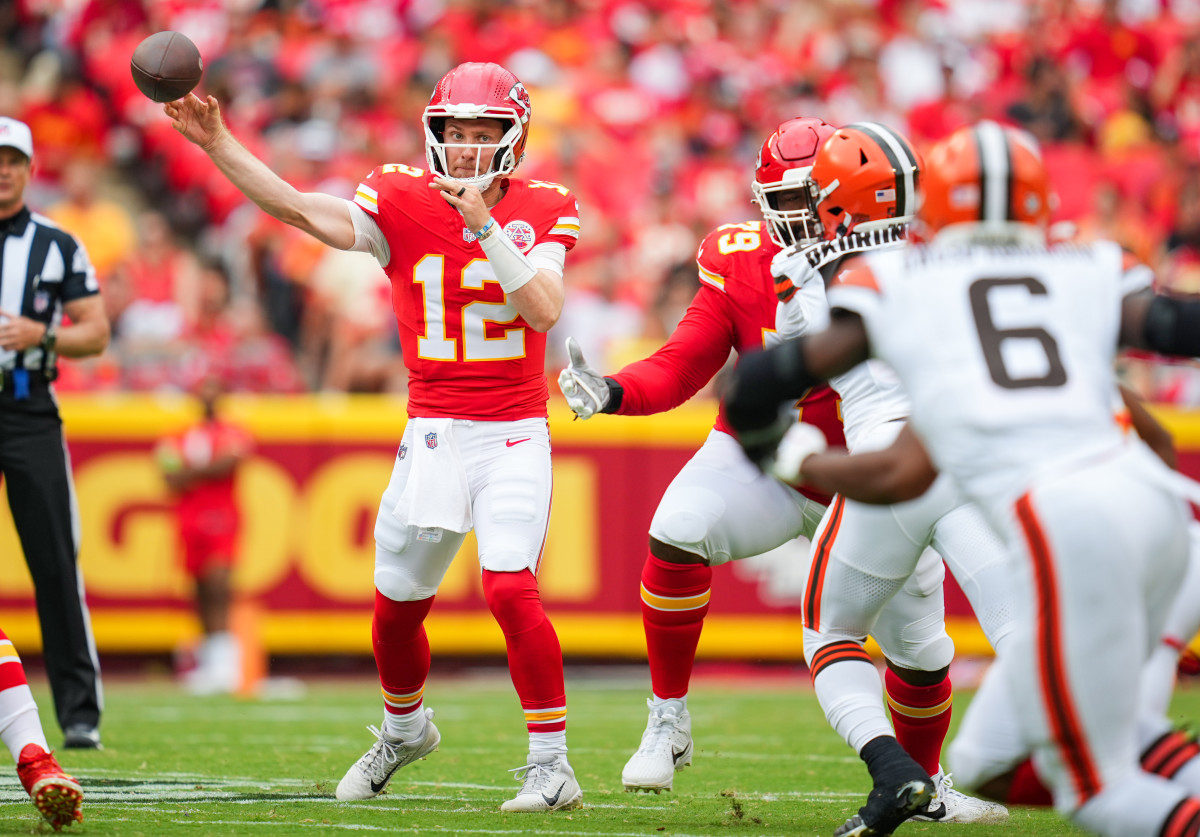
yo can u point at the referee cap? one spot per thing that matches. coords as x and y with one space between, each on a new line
16 134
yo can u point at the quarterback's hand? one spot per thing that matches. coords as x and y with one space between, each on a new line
799 443
791 270
586 389
199 120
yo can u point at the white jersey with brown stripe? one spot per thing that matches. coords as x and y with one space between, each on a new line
1005 351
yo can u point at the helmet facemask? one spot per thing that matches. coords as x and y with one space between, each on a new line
504 159
789 227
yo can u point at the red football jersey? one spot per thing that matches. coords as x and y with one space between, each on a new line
469 354
196 447
734 309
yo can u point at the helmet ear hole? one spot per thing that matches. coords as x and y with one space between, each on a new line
862 157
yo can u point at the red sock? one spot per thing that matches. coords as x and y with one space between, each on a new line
12 672
534 655
1026 788
1184 819
401 652
674 604
921 717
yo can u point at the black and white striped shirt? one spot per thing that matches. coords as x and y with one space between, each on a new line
42 267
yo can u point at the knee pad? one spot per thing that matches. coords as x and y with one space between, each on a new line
398 584
931 655
685 520
922 646
513 600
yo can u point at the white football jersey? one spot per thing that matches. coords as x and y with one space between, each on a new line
871 393
1006 352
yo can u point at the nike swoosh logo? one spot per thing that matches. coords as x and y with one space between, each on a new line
676 755
377 787
508 443
552 800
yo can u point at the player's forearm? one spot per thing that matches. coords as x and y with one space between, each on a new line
324 217
878 477
663 381
692 355
540 300
220 467
88 332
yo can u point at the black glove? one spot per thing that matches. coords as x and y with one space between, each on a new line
756 403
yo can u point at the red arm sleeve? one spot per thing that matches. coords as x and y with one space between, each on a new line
694 353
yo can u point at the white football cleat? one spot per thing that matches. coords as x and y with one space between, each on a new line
368 776
666 747
549 785
962 808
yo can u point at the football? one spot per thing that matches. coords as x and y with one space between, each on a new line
166 66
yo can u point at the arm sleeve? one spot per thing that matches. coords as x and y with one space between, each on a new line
550 255
368 238
693 354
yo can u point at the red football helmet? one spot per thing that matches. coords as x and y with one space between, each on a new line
985 174
473 91
865 178
784 162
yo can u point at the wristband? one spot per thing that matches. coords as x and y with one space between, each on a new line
512 267
616 394
487 231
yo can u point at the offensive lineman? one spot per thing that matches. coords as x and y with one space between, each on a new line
476 259
719 508
1005 346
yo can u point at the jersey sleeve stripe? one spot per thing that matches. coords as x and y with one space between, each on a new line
367 198
566 226
716 280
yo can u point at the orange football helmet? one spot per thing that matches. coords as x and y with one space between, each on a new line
784 161
865 178
471 91
987 174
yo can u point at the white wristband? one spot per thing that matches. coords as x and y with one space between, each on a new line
510 265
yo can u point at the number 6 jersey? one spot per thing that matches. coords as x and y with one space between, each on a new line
1006 352
468 352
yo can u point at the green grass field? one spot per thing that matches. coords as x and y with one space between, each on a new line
765 763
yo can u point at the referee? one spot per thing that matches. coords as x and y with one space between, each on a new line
44 275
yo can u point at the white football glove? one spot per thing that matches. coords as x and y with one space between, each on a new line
800 442
791 269
586 390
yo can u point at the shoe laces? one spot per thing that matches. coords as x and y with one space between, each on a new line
536 775
663 721
382 752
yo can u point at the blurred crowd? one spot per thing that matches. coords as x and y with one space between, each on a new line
652 111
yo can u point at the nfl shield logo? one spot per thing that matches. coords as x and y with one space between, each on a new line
403 452
41 301
431 440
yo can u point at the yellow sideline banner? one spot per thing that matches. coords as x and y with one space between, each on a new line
309 497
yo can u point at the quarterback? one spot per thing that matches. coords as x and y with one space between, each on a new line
475 257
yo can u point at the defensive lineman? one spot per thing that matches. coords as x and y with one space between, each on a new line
1005 346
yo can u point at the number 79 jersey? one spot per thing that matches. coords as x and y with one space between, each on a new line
469 353
1006 352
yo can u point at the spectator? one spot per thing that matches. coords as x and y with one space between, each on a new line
103 225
